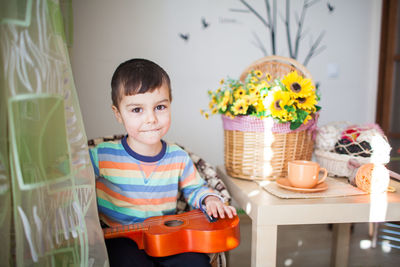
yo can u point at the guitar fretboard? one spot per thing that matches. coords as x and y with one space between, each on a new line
125 228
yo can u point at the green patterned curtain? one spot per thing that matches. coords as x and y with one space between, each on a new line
48 214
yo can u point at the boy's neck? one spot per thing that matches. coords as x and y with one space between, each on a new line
145 149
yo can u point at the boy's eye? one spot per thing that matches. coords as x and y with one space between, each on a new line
161 107
136 110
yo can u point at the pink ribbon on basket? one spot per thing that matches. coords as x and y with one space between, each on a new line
254 124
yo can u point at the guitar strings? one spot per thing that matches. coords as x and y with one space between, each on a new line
142 225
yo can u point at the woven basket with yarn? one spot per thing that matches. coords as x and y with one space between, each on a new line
258 149
342 148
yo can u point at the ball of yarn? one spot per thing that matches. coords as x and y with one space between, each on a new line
372 178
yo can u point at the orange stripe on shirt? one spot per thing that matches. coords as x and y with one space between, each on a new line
169 167
134 201
135 167
118 165
188 180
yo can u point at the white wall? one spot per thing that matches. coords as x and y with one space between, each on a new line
107 33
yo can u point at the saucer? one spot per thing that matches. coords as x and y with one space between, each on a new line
284 183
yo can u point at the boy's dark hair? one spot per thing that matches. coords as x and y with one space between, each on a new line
137 76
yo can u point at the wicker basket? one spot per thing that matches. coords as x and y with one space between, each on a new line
339 165
258 149
345 165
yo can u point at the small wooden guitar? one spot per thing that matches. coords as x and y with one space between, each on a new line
187 232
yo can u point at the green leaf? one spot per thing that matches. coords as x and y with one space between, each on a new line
301 115
295 124
289 108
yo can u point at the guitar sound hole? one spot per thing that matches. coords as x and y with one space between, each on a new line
173 223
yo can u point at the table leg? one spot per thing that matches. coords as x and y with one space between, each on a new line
340 244
263 245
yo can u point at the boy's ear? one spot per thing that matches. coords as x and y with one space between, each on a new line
117 114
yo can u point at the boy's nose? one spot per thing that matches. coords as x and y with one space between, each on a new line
151 117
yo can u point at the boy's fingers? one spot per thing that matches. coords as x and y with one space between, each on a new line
228 212
212 211
233 210
221 211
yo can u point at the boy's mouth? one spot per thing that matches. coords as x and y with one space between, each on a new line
150 130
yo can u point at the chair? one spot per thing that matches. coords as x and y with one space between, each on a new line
206 171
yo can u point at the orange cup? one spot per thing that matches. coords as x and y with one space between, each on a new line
305 174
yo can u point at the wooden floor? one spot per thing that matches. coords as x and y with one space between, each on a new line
310 245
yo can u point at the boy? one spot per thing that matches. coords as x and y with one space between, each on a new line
139 177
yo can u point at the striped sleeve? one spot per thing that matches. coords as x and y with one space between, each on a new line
193 187
95 160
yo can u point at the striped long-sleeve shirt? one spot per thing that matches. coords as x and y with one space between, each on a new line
132 187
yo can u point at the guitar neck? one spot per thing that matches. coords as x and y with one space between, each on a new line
132 231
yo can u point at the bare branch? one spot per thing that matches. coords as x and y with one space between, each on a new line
314 50
239 10
299 30
271 16
259 44
287 23
256 13
311 3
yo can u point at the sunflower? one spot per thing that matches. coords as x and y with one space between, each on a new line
225 101
276 102
251 86
240 92
254 79
229 114
307 102
240 107
258 73
255 93
297 85
252 90
309 117
260 106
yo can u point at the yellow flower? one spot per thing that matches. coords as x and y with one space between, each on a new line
240 107
229 114
263 84
225 101
260 106
254 98
239 93
252 90
297 85
307 119
276 102
285 99
211 104
307 103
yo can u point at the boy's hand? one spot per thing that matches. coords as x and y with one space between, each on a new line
216 208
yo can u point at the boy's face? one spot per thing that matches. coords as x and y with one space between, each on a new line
146 118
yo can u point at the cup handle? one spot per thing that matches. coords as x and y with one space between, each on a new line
324 177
